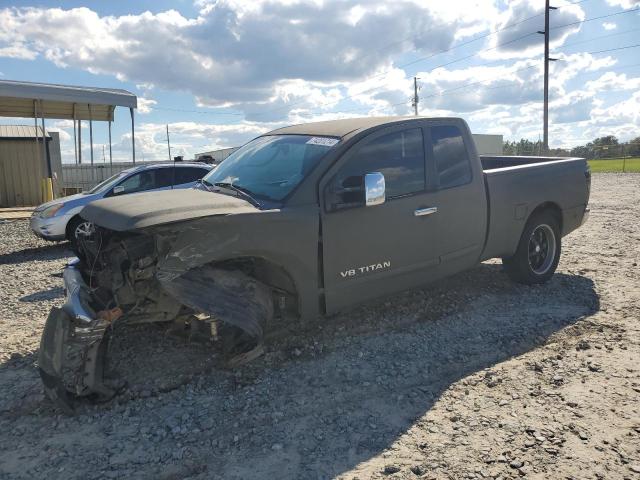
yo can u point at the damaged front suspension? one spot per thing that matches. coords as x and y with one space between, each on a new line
73 346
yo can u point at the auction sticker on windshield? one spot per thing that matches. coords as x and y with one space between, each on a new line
324 141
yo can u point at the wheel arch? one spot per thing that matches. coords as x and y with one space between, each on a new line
268 272
69 224
551 207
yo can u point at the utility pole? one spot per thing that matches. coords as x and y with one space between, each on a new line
415 96
545 134
168 144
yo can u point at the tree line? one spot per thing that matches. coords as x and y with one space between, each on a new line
602 147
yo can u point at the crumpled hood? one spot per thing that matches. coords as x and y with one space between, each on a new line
141 210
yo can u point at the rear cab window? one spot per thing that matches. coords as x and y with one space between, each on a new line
450 156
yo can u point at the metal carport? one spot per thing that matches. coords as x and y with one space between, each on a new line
45 100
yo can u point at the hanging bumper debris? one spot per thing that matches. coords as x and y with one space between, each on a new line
73 346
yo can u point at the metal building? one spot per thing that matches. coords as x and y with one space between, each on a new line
21 166
44 100
215 156
488 144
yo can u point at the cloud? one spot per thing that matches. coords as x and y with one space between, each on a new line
237 53
522 20
621 119
574 107
465 90
624 3
610 81
18 50
304 60
187 138
145 105
609 25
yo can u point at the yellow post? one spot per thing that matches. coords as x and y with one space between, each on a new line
49 189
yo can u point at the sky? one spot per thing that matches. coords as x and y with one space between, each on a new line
221 72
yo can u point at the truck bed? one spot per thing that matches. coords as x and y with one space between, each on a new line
517 185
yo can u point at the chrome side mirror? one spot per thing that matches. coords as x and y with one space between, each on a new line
374 189
118 189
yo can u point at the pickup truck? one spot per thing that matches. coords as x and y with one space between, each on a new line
303 221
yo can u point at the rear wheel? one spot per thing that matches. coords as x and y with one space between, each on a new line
77 229
538 253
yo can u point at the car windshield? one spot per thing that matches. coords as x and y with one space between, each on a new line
270 167
106 184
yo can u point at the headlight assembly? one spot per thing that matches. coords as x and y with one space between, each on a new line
51 211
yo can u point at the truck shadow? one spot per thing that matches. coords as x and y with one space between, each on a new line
43 295
354 401
335 394
54 251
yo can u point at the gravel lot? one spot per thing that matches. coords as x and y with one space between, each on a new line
472 378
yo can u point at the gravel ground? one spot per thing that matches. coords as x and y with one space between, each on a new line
472 378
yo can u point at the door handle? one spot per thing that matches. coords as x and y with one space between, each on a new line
425 211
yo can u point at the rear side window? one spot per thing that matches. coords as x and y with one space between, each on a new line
450 156
189 174
399 156
164 177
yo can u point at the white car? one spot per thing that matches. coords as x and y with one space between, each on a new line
60 219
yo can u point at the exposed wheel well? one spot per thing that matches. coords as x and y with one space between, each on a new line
269 273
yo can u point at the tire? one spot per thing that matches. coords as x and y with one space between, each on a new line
538 252
75 227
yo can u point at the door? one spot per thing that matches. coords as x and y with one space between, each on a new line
373 250
459 195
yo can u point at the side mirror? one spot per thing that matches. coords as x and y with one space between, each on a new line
374 189
118 189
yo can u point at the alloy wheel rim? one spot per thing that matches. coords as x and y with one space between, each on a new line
84 229
541 249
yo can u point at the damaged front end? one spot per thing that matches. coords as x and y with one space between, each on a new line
116 280
73 345
113 281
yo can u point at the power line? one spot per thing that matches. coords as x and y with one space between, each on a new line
439 52
622 12
448 91
404 65
475 39
614 49
598 38
413 62
466 85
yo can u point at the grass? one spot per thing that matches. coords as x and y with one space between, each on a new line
615 165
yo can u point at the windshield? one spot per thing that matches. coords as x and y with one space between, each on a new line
271 167
106 184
